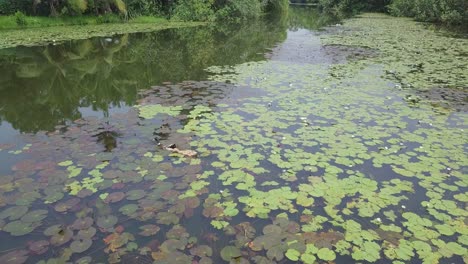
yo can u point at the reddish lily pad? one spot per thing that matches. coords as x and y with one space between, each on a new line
39 247
14 257
149 230
114 197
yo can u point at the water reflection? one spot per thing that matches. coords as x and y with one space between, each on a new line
42 87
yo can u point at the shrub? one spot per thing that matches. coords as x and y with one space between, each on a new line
194 10
239 10
20 19
77 6
108 18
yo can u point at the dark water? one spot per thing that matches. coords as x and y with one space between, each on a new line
75 153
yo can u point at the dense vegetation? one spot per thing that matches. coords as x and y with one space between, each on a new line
200 10
451 12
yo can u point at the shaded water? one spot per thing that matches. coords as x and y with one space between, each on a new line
304 151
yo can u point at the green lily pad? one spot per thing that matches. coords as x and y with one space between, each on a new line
135 195
63 236
14 212
293 254
326 254
82 223
87 233
81 245
128 209
229 253
107 222
34 216
54 230
18 228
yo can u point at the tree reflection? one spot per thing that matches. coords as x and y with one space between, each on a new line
42 87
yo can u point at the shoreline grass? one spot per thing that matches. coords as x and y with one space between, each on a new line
10 22
49 31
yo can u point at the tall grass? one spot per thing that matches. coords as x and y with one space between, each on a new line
10 22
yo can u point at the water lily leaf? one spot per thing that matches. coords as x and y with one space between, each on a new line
326 254
14 257
172 245
39 247
149 230
201 251
128 209
308 258
293 254
14 212
67 205
135 195
114 197
63 236
106 222
81 245
167 218
269 229
82 223
229 253
87 233
54 230
34 216
18 228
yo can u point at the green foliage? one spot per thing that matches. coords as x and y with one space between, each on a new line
277 6
21 19
194 10
239 10
450 12
77 6
108 18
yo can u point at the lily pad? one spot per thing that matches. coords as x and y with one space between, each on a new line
326 254
87 233
114 197
81 245
107 222
135 195
14 257
128 209
39 247
149 230
14 213
63 236
34 216
229 253
18 228
82 223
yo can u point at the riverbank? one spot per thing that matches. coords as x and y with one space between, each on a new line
56 34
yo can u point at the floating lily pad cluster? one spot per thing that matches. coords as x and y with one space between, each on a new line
301 162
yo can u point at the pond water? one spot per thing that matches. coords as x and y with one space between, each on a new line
285 140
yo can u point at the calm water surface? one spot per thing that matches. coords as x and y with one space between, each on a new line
295 159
